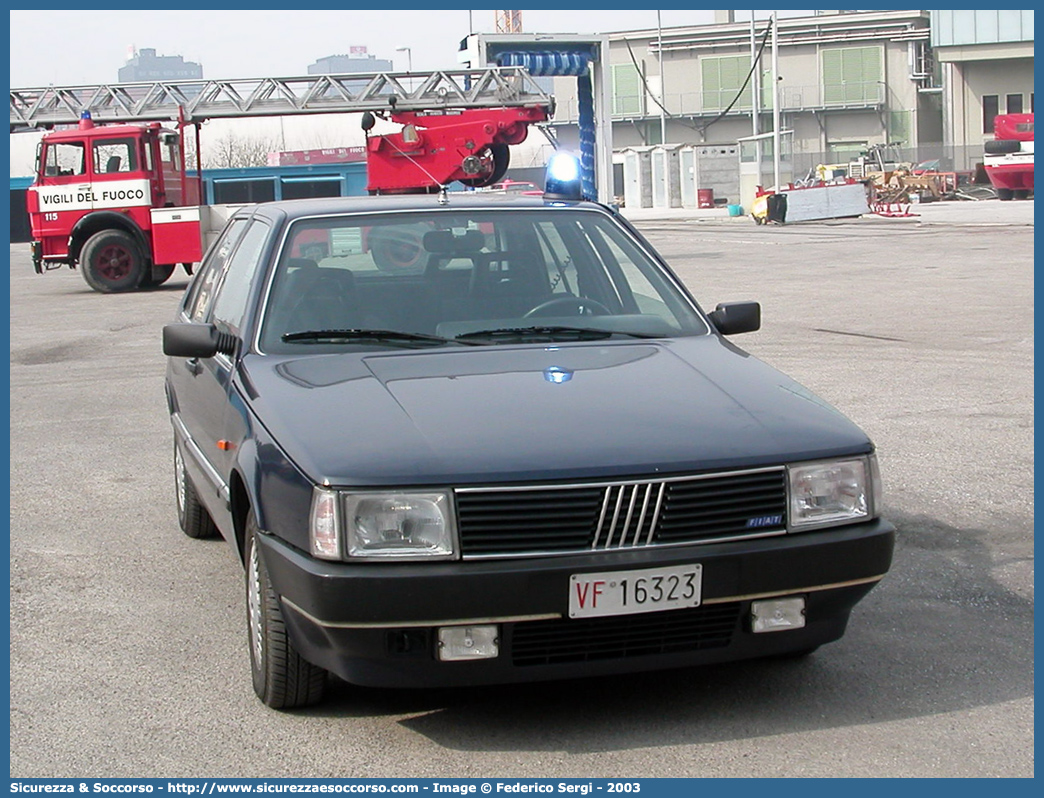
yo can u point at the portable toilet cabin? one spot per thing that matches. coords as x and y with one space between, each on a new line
637 168
666 176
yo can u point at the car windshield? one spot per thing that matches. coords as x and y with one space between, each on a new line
455 278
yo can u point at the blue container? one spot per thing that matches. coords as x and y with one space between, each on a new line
735 210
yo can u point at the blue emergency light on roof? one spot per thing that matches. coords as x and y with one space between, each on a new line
86 121
564 182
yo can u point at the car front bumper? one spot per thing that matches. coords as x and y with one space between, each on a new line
377 624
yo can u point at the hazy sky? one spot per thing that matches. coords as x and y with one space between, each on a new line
66 48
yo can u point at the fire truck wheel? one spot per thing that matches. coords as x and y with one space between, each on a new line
111 262
160 275
193 517
1022 193
1005 194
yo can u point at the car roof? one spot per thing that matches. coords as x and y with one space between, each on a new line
455 201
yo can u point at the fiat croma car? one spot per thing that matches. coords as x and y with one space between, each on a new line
483 438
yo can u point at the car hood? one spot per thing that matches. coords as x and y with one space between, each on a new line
537 412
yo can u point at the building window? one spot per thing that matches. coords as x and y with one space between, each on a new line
722 79
628 93
766 90
852 75
990 109
245 191
1014 103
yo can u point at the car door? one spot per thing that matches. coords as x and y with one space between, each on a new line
199 386
243 270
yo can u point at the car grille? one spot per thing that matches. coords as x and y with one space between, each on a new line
623 636
594 517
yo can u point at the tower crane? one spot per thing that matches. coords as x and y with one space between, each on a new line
509 22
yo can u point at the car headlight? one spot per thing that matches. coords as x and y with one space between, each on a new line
383 526
833 492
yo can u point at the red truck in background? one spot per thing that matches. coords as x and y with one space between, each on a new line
115 200
1008 159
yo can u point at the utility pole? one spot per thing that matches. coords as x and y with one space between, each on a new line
755 97
775 102
663 94
409 56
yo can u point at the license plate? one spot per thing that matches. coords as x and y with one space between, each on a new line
627 592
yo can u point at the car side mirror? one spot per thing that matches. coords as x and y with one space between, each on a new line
736 317
196 340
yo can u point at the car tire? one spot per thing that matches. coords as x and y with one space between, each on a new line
193 517
1005 194
1022 193
112 262
282 678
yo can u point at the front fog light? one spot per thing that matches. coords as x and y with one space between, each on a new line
458 643
777 615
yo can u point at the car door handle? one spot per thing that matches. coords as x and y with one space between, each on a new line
194 365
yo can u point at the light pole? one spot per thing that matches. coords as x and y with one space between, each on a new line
663 96
409 57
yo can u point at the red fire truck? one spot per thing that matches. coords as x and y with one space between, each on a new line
1009 157
116 200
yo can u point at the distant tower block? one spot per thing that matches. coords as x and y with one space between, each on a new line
509 22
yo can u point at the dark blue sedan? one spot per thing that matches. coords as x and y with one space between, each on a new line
482 438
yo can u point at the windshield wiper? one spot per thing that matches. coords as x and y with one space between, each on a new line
383 336
549 333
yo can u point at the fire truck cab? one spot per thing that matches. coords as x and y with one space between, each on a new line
115 200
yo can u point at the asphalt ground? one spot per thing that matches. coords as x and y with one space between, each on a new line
128 644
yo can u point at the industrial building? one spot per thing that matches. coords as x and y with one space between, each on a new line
357 59
931 80
145 65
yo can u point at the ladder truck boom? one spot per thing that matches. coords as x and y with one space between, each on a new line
196 101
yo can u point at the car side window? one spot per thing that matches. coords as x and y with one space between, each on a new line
201 294
234 290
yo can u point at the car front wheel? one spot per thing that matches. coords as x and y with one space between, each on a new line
282 678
